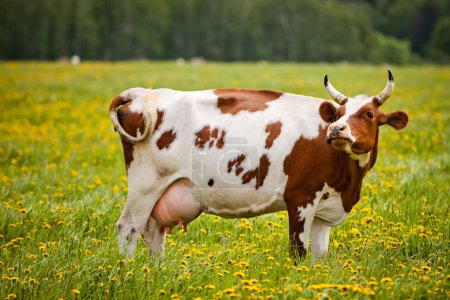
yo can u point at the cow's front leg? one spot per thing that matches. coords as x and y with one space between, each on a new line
154 235
300 220
320 236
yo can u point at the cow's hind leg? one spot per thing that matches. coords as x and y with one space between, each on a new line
154 235
133 220
127 233
320 236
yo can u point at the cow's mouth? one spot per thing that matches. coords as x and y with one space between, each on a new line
340 143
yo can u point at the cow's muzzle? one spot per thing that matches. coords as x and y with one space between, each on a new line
336 131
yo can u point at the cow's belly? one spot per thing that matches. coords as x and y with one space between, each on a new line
181 203
239 202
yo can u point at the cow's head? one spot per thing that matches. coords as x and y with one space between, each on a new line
354 123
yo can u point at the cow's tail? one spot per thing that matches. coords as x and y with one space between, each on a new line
148 98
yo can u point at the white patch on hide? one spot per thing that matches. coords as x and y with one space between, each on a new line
330 211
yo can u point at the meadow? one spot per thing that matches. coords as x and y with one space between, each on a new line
63 186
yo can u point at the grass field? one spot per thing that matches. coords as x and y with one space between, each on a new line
63 186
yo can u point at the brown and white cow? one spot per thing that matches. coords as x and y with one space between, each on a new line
242 153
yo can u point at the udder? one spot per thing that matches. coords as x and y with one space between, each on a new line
177 206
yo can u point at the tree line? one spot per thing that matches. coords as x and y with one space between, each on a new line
394 31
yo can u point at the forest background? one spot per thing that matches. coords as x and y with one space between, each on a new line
376 31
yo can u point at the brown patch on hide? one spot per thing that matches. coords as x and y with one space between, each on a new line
274 130
236 163
159 119
259 173
206 137
131 122
312 163
232 101
166 139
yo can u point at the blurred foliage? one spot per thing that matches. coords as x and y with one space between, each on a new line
390 49
393 31
440 41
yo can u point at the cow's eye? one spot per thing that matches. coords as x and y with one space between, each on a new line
369 115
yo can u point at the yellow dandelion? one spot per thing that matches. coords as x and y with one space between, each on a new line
229 291
372 283
355 232
425 269
75 291
386 280
146 269
366 220
11 296
251 288
239 274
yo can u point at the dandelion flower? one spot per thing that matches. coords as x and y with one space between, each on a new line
425 269
387 280
372 283
229 290
75 291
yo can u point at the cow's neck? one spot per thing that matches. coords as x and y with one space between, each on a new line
362 159
353 172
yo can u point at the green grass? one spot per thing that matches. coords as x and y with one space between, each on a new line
63 186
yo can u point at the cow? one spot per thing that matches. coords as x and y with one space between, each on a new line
240 153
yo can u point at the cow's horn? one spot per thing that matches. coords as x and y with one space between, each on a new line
389 88
337 96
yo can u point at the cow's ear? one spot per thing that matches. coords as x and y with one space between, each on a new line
397 120
327 111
